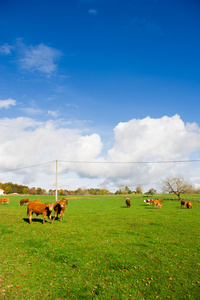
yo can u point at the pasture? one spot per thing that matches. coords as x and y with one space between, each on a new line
102 250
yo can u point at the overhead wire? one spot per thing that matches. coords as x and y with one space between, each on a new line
104 162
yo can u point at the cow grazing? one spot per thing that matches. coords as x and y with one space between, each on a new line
159 205
128 202
4 200
155 203
39 209
161 200
183 203
189 205
59 208
23 201
148 201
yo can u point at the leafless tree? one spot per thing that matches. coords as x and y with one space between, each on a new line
177 186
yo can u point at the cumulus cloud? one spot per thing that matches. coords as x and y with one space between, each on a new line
25 142
7 103
138 156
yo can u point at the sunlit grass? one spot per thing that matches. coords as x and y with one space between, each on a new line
102 250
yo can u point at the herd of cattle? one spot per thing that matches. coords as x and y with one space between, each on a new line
158 203
46 209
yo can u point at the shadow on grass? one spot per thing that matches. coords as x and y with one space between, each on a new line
35 220
150 207
124 207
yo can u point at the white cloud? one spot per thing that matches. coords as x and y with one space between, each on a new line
40 58
6 49
7 103
25 142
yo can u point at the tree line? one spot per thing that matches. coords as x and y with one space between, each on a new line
171 185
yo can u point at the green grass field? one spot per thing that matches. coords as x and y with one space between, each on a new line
102 250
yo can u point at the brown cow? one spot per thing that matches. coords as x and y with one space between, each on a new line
66 200
4 200
23 201
39 209
128 202
59 208
189 205
161 200
156 203
183 203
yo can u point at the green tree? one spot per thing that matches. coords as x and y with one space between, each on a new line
127 190
8 189
61 192
151 192
39 191
25 191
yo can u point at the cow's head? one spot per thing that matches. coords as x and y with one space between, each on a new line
62 203
49 206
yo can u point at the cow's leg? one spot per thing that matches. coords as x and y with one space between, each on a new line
30 217
61 216
44 215
50 218
55 215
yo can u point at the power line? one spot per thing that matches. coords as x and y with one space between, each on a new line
105 162
131 162
27 167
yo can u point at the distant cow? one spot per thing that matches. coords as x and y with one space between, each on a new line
189 205
148 201
161 200
156 203
23 201
128 202
183 203
59 208
39 209
4 200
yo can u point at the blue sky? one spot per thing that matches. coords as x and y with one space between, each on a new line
84 68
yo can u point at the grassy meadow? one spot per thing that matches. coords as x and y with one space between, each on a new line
102 250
